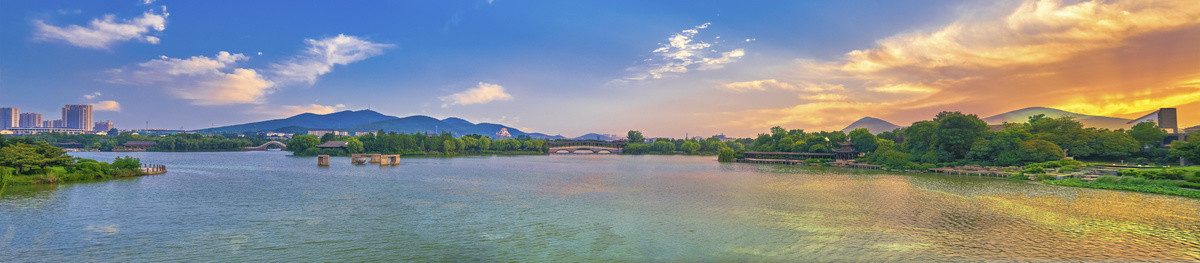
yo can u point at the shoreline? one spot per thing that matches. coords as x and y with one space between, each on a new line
1067 182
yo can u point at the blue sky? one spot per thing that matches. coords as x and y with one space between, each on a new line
573 67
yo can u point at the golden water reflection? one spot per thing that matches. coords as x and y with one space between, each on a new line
869 213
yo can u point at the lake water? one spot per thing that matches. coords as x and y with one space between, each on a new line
267 206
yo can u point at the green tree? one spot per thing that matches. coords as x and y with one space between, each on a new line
863 140
1040 151
448 146
1147 134
19 156
635 137
663 146
353 145
126 163
328 137
690 147
726 155
957 132
1189 150
300 143
736 146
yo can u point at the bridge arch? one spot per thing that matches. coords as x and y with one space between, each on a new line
593 146
266 146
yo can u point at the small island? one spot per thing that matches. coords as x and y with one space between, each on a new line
27 162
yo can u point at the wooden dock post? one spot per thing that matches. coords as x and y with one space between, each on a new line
322 160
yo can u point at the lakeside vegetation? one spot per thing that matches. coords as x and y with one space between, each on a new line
168 143
1035 148
636 143
26 162
443 144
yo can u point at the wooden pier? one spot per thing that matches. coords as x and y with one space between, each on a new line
153 169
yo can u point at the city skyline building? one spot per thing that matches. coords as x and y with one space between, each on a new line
30 120
9 118
104 126
52 124
77 117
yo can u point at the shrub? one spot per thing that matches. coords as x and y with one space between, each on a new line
1193 178
1045 177
1068 169
126 163
1034 169
1018 176
1108 179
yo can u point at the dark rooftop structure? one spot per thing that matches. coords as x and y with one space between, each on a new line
333 144
138 144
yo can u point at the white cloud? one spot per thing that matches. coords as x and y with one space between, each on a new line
107 105
203 80
92 96
757 85
102 33
215 80
483 93
681 53
320 57
1055 53
290 110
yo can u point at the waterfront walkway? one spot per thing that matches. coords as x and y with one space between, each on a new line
153 169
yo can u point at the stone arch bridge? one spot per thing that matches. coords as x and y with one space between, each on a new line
266 146
593 146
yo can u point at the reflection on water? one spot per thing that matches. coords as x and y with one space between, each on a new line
265 206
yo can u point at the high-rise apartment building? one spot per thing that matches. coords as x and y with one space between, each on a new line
31 120
77 117
10 118
104 126
52 124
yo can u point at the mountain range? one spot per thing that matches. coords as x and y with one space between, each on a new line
1022 115
367 121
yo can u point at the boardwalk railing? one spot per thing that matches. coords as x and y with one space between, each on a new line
152 169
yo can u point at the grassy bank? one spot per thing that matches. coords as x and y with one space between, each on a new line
1165 187
81 170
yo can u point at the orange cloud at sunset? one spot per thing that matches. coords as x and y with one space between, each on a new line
1115 58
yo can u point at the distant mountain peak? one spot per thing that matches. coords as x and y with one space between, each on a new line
1022 115
875 125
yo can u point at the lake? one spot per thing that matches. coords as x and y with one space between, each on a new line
267 206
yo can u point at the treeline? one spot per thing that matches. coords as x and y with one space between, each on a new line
636 144
168 143
24 161
413 144
954 138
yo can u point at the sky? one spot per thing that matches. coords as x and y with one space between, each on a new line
667 68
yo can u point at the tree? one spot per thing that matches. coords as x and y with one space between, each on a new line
863 140
1189 150
354 146
448 146
690 147
1147 134
1040 151
662 146
126 163
327 137
957 132
726 155
19 156
302 142
635 137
